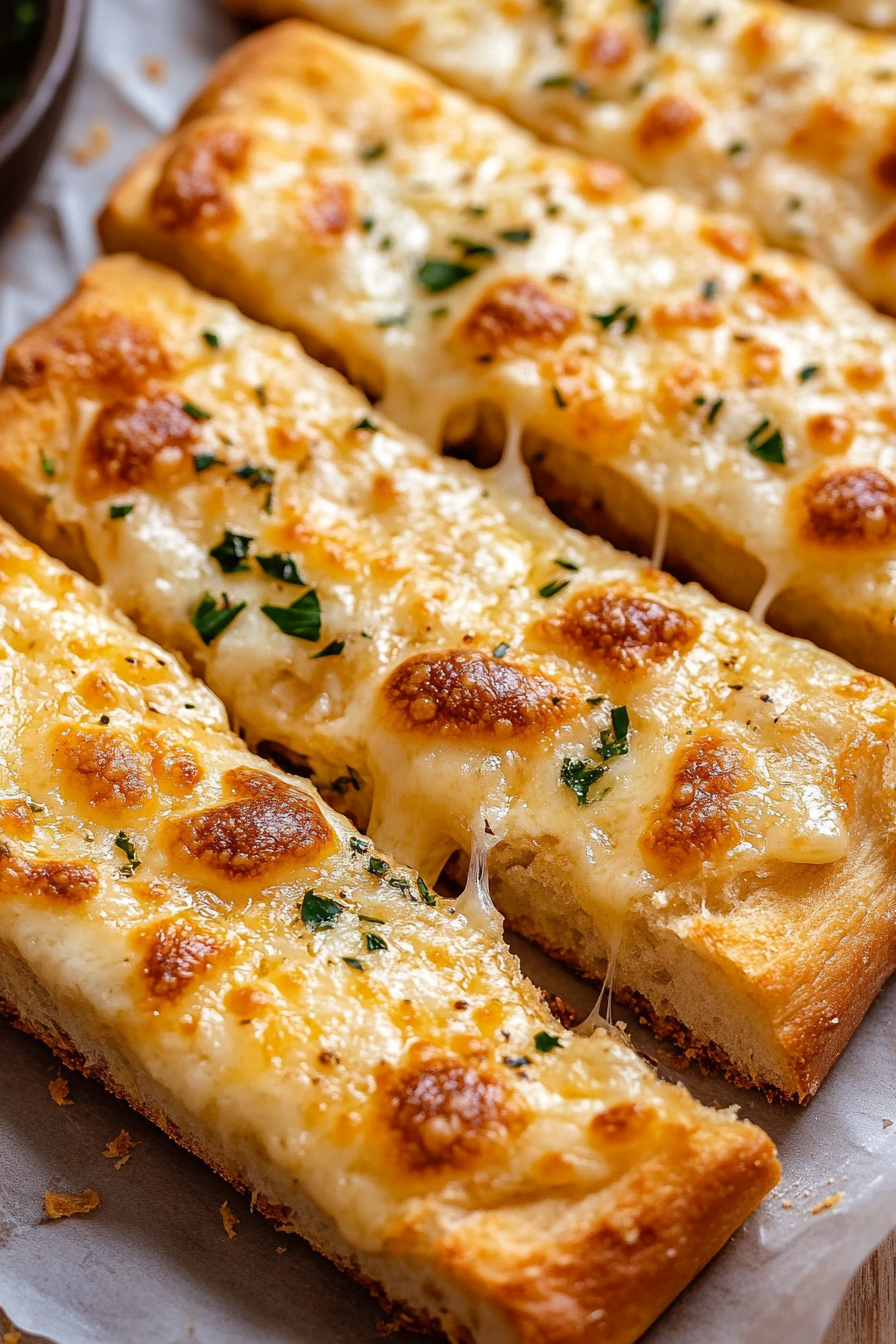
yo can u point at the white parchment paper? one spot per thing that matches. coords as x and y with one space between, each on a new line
154 1265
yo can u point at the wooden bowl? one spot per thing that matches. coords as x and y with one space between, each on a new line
28 125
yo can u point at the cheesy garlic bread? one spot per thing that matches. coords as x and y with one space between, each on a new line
199 931
666 786
679 390
747 105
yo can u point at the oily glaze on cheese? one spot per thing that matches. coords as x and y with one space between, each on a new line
379 1067
634 754
749 105
659 363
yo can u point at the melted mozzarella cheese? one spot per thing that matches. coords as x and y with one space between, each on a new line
629 335
482 676
155 880
747 105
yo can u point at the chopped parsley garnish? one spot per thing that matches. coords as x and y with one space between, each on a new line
202 462
553 588
515 235
371 919
47 466
126 846
210 620
195 412
211 340
566 564
629 324
714 410
282 567
368 223
441 311
477 211
427 896
301 619
809 372
579 776
545 1042
379 867
385 243
370 153
516 1061
737 148
255 476
577 86
654 10
396 320
232 553
606 320
261 394
359 843
355 964
367 424
614 740
119 510
471 248
709 289
375 943
770 448
558 398
595 699
500 650
335 646
401 883
437 276
319 912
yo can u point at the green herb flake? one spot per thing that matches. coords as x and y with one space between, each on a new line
545 1042
282 567
441 311
210 620
629 324
709 289
606 320
769 448
714 410
355 964
653 16
371 919
335 646
379 867
515 235
470 247
359 843
351 780
261 395
396 319
428 897
301 619
595 699
566 564
558 398
614 740
126 845
401 884
368 425
120 510
579 775
232 552
195 412
370 153
254 476
553 588
375 943
319 912
368 223
385 243
47 466
437 276
809 372
477 211
202 462
709 20
211 340
737 148
500 650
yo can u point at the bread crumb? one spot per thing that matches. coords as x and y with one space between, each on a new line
11 1337
887 1124
786 1204
154 68
229 1219
97 143
121 1147
59 1092
831 1202
58 1205
281 1250
387 1327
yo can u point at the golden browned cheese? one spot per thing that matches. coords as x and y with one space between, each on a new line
458 671
324 1030
673 382
747 105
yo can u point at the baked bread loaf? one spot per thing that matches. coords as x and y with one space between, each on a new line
678 388
199 931
749 105
665 785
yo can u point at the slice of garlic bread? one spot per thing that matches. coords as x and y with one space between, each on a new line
202 933
678 389
749 105
664 784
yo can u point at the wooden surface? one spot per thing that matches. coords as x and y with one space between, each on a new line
867 1314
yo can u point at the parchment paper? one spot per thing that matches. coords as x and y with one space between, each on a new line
153 1265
